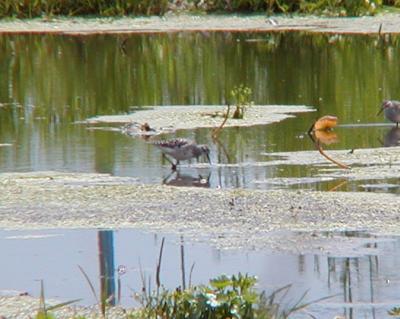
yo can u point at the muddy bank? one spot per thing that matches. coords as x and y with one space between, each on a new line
26 307
204 23
226 218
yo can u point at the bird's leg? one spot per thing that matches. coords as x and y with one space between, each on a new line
171 162
175 165
397 124
165 180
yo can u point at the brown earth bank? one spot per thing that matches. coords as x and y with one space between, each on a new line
381 23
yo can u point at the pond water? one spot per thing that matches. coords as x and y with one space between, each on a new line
50 84
361 275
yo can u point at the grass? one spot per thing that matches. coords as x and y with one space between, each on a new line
50 8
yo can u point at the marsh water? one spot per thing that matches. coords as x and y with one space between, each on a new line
360 276
50 84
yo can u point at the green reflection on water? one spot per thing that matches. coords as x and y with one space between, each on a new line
49 82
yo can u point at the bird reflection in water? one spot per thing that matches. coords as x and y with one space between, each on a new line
392 137
175 178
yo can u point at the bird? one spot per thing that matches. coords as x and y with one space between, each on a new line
182 149
391 110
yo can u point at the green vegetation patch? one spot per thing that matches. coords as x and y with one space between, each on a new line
37 8
48 8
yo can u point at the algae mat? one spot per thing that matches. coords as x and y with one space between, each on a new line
170 118
226 218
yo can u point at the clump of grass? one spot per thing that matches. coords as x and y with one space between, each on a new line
224 297
326 7
48 8
241 95
44 311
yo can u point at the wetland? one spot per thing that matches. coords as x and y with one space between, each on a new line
68 167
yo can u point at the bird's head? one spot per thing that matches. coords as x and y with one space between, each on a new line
385 105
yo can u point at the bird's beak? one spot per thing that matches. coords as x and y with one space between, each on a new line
208 158
380 111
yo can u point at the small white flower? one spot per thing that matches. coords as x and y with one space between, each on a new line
212 300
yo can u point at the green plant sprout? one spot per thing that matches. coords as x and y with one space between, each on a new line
241 95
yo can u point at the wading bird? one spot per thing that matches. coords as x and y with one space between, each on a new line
182 149
391 110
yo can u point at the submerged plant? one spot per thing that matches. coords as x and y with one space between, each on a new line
241 95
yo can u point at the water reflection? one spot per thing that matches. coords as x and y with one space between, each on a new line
392 137
50 82
360 269
107 268
176 178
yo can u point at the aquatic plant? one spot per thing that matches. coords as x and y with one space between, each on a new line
224 297
241 95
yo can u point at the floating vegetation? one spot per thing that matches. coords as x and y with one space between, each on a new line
167 119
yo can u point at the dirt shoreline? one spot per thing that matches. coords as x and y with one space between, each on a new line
383 23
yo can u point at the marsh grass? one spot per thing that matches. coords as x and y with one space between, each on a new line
44 311
50 8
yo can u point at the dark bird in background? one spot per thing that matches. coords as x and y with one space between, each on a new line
391 110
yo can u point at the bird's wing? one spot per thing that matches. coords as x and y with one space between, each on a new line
174 143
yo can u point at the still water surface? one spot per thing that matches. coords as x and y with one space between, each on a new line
362 277
49 84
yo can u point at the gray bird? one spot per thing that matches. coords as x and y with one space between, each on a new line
182 149
391 110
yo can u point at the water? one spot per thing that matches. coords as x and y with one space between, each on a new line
360 275
49 84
